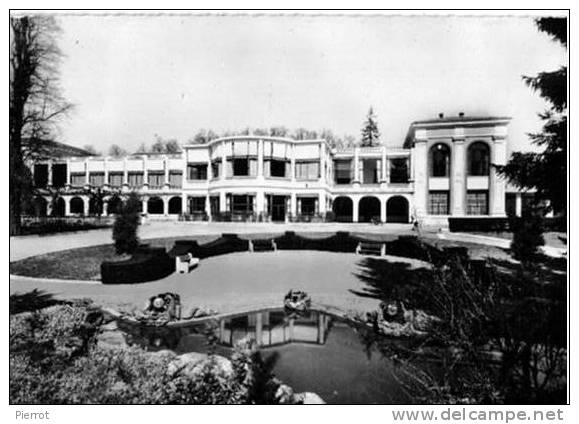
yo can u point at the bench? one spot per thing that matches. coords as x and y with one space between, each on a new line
371 248
262 246
183 263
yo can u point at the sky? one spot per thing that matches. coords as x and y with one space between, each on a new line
132 77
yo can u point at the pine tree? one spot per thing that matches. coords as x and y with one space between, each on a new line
370 133
546 171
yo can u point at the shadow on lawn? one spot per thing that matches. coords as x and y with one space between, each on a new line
31 301
393 280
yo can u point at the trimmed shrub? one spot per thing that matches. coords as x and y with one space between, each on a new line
487 224
146 264
126 225
527 237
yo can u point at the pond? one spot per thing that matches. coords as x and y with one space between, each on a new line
315 352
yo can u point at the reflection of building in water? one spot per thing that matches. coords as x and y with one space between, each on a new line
271 328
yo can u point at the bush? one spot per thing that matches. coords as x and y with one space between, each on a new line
111 375
146 264
126 225
527 237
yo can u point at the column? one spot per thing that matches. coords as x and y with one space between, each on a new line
260 201
322 203
209 168
518 204
321 328
223 169
383 201
50 174
355 209
85 203
323 162
222 202
383 172
293 204
125 175
86 171
184 209
497 183
145 208
260 158
458 190
67 172
208 206
420 189
356 164
105 165
66 205
145 172
166 169
259 328
165 205
293 163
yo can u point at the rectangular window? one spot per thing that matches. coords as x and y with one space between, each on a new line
197 204
277 168
175 179
96 179
156 179
477 203
307 170
116 179
308 205
343 171
398 171
242 204
216 168
59 175
77 180
240 167
135 179
41 175
438 203
196 171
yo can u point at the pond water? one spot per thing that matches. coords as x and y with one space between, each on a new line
316 352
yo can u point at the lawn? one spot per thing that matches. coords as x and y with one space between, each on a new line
84 263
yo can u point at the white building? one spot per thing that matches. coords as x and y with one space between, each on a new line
443 169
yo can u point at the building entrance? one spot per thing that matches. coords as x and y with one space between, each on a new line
278 207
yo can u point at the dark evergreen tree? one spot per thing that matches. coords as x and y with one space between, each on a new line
370 133
546 171
127 224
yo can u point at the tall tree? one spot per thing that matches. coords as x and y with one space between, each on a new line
91 149
370 133
546 171
116 151
35 100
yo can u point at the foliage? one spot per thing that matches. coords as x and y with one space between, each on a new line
527 237
546 171
91 149
35 101
117 151
54 359
370 133
501 334
168 146
126 225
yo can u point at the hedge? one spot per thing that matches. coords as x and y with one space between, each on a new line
146 264
500 224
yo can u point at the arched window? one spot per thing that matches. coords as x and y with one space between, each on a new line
478 159
440 160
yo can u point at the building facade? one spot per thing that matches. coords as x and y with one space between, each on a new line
443 169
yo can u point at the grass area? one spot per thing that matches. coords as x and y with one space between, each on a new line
84 263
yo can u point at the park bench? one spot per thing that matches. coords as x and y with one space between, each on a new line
262 246
371 248
184 263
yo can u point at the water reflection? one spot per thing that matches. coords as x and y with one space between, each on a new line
317 352
268 328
